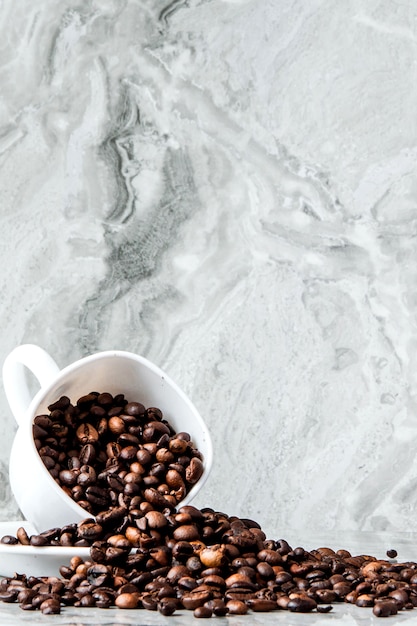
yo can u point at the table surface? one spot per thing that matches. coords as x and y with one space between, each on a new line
375 544
343 614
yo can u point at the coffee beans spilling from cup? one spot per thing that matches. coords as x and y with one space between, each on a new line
129 470
205 561
106 451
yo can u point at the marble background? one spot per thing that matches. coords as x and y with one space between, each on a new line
228 188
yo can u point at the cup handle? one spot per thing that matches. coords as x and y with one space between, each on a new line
42 366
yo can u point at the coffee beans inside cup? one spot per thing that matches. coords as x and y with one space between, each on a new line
105 452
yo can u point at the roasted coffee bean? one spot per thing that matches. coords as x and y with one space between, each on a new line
87 454
127 439
324 609
9 596
195 599
218 607
167 606
149 602
187 532
156 519
87 398
384 608
128 453
265 570
237 607
365 600
239 593
213 556
301 604
48 462
262 605
104 399
9 539
400 596
116 425
98 575
154 498
68 477
50 606
154 430
22 536
60 405
127 600
134 408
203 611
342 589
194 471
38 540
153 413
103 598
89 529
391 554
87 434
97 496
86 476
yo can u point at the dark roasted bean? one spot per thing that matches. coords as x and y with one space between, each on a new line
87 454
218 607
167 606
86 476
98 575
237 607
149 602
87 434
51 606
194 471
8 595
365 600
97 496
385 608
391 554
324 608
38 540
22 536
301 604
103 598
9 539
203 611
262 605
195 599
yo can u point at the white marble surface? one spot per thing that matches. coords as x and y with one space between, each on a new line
228 188
342 615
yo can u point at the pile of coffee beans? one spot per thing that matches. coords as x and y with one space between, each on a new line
204 561
105 451
128 469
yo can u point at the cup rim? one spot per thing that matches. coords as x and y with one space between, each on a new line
43 392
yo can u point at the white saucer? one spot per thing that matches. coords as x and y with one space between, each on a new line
30 560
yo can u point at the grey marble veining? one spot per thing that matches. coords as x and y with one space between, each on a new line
229 189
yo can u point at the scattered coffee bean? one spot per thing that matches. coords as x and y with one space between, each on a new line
237 607
391 554
203 611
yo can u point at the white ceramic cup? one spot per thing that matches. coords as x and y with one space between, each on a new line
40 498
